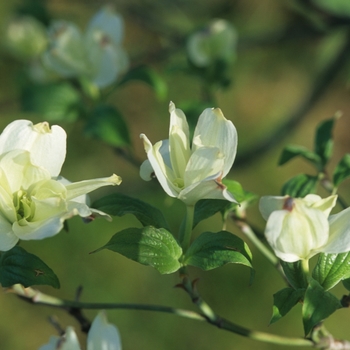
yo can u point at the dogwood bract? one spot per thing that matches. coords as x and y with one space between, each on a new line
195 172
96 54
299 228
34 200
102 336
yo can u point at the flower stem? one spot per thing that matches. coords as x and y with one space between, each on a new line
185 234
36 297
305 266
248 232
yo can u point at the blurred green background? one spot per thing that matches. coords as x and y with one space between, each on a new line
291 72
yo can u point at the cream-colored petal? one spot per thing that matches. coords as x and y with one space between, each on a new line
47 146
210 188
296 234
66 54
204 162
109 22
7 237
103 335
214 130
76 189
339 229
179 141
48 227
326 204
163 173
69 341
269 204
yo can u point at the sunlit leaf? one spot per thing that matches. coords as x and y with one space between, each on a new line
18 266
147 246
331 269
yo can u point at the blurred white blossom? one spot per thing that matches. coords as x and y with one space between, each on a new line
96 54
25 38
195 172
217 41
299 228
102 336
34 200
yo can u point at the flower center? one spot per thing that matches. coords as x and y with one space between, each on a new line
23 205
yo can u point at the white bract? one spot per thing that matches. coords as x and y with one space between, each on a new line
102 336
195 172
217 41
34 200
299 228
97 54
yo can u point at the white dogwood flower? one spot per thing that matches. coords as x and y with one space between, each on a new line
299 228
97 54
102 336
217 41
195 172
34 200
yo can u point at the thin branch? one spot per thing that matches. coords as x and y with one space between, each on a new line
36 297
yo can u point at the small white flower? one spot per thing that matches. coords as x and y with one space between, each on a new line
299 228
34 200
97 54
195 172
217 41
102 336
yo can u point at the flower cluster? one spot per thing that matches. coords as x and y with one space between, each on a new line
193 172
34 200
97 54
299 228
102 335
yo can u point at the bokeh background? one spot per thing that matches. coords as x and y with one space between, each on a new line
291 72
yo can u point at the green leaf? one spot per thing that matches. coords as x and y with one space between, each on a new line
107 124
324 140
318 305
236 189
147 246
346 283
54 101
292 151
294 274
331 269
300 186
206 208
211 250
342 170
118 204
18 266
148 76
284 300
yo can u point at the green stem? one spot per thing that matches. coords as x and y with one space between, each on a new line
248 232
305 266
36 297
185 234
